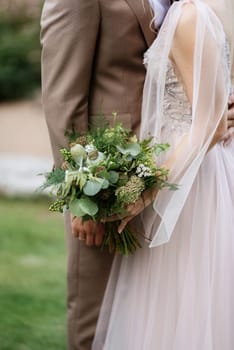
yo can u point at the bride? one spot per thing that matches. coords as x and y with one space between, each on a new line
179 294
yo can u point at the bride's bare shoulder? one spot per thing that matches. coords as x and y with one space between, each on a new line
186 28
187 22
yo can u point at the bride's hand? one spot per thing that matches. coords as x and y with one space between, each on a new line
134 209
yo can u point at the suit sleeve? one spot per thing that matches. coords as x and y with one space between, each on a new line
69 31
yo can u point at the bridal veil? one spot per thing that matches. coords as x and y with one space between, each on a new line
209 104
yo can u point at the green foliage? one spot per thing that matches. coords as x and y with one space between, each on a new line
19 55
93 186
107 138
55 177
83 206
66 154
132 148
32 277
57 206
161 147
106 170
131 191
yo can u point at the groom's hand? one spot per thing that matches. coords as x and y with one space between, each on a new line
91 232
228 136
231 111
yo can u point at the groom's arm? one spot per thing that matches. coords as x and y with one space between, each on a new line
69 30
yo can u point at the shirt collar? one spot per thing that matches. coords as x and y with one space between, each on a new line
160 8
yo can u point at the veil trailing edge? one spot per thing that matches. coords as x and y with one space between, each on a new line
210 94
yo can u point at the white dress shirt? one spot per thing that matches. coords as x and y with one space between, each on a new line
159 8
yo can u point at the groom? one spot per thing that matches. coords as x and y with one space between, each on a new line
92 53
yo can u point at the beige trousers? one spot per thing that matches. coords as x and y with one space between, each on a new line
88 270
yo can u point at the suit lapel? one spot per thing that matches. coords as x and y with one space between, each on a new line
144 14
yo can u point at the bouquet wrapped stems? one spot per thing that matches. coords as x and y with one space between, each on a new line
123 243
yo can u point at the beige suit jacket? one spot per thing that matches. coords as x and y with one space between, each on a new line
92 62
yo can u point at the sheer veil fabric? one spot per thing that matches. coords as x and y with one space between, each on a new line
206 114
178 294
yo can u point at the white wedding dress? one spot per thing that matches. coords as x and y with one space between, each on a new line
178 295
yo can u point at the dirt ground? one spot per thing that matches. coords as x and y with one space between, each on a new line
24 148
23 129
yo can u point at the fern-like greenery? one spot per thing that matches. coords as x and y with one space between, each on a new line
56 177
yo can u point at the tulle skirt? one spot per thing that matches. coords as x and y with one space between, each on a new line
179 296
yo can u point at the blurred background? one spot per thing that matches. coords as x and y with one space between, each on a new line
32 249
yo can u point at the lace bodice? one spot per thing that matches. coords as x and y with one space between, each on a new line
177 109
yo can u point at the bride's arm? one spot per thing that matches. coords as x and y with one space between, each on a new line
182 54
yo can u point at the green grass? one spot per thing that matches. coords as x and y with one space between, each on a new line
32 277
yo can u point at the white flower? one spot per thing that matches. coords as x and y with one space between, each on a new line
66 175
83 169
78 153
99 159
143 171
90 148
148 173
138 170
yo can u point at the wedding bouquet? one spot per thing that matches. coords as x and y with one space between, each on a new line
103 172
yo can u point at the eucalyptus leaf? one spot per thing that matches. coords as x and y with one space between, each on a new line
93 186
129 157
88 206
76 209
113 177
132 148
83 206
105 184
104 174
